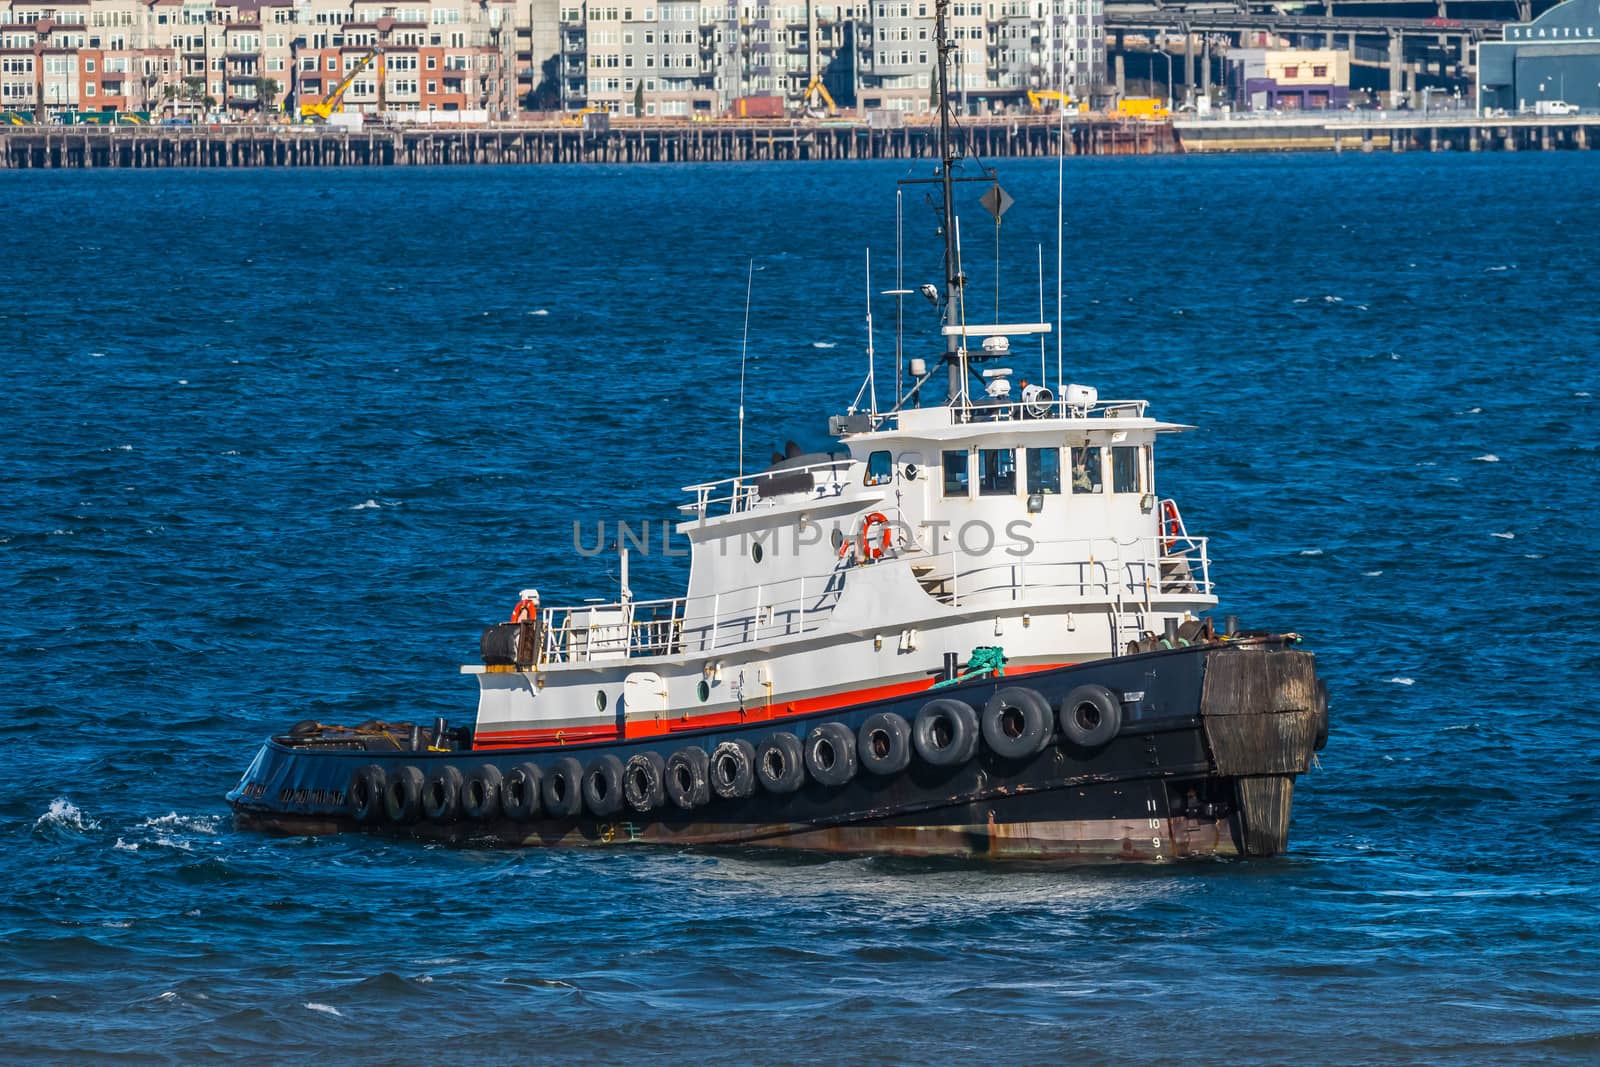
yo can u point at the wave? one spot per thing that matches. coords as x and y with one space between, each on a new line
1488 457
63 814
326 1009
1403 681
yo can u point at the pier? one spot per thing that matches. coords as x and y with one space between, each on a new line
1394 131
84 147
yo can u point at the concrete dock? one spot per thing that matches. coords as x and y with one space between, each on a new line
1394 131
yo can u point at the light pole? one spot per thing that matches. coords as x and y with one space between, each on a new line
1168 54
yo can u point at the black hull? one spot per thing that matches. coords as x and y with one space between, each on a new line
1202 766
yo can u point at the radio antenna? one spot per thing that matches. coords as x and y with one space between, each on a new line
744 349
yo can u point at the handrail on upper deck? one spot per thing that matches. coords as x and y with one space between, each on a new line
744 489
1026 411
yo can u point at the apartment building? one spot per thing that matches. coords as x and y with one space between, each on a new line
643 58
675 59
255 57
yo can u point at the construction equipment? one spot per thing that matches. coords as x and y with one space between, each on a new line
581 117
323 110
815 95
1149 108
1065 101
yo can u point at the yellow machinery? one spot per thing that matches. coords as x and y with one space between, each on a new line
579 118
817 94
1066 101
323 110
1142 107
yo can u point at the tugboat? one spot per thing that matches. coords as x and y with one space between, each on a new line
973 628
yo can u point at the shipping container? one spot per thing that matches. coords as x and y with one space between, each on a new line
758 107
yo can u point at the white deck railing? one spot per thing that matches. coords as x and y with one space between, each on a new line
981 410
730 496
1089 571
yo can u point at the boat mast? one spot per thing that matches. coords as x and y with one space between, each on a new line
952 273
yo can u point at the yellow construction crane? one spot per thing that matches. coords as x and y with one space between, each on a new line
1067 102
817 91
323 110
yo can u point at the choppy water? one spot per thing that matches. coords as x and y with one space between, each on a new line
274 445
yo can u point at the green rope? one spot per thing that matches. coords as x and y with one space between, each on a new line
985 659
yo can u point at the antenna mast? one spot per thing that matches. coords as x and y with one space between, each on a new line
744 348
952 267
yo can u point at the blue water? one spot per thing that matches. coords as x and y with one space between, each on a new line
275 445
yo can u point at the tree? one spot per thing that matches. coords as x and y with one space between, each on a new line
267 92
638 100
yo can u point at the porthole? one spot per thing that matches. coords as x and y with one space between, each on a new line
837 538
600 699
703 690
756 552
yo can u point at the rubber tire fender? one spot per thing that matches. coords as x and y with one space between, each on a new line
562 790
644 782
441 796
402 798
733 770
522 793
950 719
687 773
1024 711
480 793
780 763
883 743
602 785
831 753
1091 715
364 798
1320 715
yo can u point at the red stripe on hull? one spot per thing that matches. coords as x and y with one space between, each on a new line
791 709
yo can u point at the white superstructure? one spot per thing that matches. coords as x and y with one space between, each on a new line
1036 528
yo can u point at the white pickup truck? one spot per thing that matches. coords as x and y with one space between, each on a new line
1554 107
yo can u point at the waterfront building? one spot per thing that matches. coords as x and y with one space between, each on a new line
491 59
1288 79
249 58
1546 66
644 59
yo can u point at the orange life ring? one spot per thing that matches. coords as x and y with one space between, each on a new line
1171 525
868 549
525 611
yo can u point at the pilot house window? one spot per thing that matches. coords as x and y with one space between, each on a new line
997 472
955 473
880 468
1086 471
1125 469
1044 470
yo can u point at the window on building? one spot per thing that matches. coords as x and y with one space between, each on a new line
1319 72
1125 469
997 472
1086 469
1044 470
955 473
1291 72
880 468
